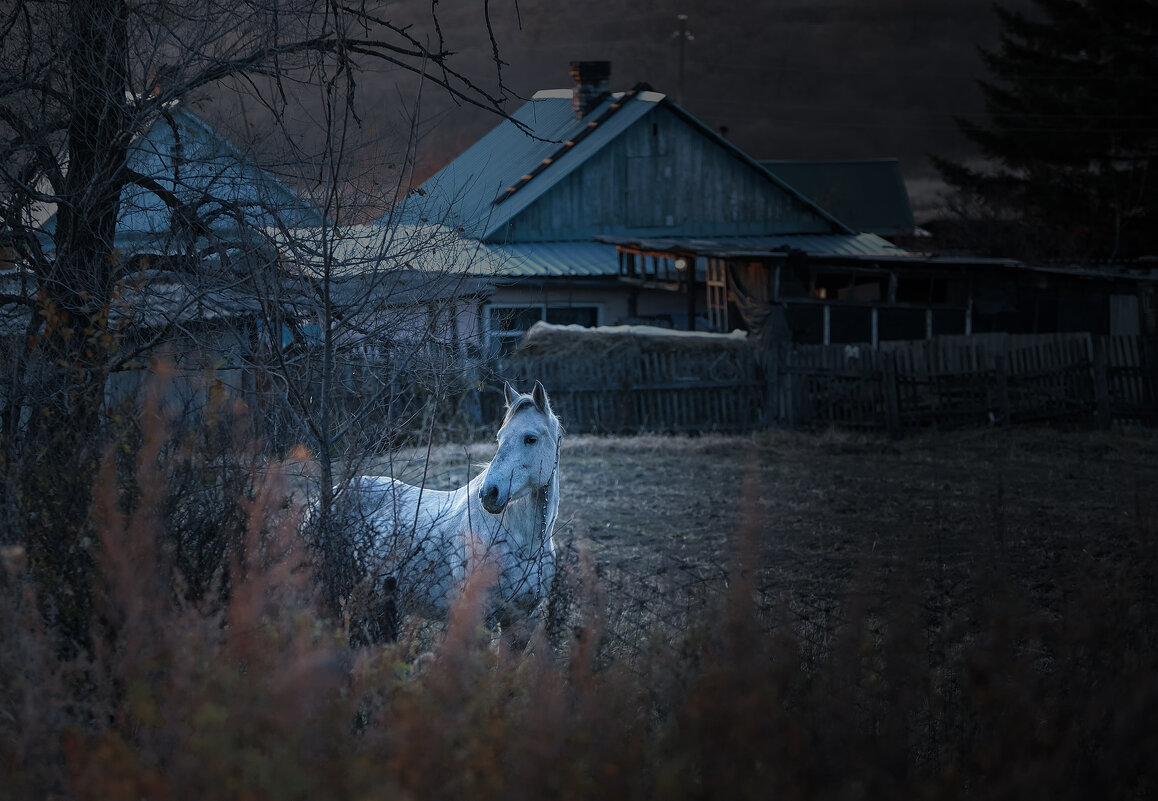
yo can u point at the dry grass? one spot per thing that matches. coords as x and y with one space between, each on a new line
781 615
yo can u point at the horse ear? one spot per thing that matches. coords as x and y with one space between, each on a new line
540 396
509 394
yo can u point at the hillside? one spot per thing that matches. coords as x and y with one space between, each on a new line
787 79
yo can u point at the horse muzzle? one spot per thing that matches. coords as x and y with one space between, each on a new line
490 500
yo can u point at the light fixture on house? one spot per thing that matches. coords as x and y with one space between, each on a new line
681 263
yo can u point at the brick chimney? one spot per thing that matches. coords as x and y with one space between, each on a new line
590 85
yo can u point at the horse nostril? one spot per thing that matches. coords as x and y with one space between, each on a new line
489 496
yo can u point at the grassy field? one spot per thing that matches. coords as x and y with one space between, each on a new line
967 615
947 514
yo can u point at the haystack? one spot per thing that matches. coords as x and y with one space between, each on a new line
545 339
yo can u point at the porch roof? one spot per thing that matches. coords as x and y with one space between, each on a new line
855 245
555 259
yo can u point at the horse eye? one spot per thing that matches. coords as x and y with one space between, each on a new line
530 439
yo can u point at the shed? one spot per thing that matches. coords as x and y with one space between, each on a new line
849 295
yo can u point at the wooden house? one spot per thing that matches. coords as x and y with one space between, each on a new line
191 237
193 225
396 289
197 195
557 191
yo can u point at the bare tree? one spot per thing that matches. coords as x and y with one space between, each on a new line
82 80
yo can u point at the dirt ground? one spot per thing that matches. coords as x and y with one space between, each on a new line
663 518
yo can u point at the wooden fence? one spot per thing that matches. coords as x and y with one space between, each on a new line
946 382
638 388
957 381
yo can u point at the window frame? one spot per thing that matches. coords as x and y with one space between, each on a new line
495 339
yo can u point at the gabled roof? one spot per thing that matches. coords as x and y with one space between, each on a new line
868 194
521 159
468 187
197 167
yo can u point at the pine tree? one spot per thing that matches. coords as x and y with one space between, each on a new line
1072 135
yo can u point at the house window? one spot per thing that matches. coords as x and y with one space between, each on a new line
507 324
587 316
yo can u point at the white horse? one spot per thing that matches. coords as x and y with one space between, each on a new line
420 544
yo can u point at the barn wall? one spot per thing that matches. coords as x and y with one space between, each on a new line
662 177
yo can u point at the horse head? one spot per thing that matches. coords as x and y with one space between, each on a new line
528 452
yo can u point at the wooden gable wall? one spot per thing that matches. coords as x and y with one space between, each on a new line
663 177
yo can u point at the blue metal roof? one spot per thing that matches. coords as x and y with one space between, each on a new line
555 260
376 249
600 259
463 193
516 166
204 171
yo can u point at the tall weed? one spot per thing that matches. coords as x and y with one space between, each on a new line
247 691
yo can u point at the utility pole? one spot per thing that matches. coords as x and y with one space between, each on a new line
684 36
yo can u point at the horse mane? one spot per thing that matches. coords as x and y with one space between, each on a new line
520 403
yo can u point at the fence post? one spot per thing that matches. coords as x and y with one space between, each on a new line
772 358
1148 351
788 407
1004 413
1103 415
889 391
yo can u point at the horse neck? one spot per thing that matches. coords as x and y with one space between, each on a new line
532 518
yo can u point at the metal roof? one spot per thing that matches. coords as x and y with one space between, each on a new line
556 260
204 171
868 194
366 250
600 259
520 159
823 245
463 193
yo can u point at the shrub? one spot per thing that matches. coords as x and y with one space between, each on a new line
247 691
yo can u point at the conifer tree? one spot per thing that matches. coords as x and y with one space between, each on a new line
1071 141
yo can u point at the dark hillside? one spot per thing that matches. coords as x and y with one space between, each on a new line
790 79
